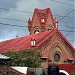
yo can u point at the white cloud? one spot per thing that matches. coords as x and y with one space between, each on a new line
28 5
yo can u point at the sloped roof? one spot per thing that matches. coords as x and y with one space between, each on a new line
20 69
24 42
8 69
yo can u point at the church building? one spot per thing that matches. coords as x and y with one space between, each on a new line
46 38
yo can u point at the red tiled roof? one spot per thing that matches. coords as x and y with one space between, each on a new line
23 43
20 43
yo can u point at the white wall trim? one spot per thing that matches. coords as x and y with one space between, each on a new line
63 71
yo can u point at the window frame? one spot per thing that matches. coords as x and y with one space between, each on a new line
57 58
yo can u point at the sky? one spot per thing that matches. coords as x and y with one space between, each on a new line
14 15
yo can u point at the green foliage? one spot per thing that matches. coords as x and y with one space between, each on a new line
29 58
72 73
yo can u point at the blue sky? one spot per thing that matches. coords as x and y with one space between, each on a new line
59 9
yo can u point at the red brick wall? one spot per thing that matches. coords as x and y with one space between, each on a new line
56 45
36 22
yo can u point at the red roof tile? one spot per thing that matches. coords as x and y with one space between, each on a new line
23 43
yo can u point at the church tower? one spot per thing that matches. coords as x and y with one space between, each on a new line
42 20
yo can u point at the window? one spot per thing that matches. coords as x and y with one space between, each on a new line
36 31
70 61
56 57
49 29
43 59
42 20
33 42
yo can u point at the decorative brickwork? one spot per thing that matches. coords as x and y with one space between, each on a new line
42 20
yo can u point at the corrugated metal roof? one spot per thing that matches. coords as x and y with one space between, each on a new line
4 57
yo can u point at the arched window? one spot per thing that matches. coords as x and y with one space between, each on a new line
49 29
42 20
36 31
56 57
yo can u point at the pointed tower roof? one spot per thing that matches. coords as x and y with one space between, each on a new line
43 13
42 19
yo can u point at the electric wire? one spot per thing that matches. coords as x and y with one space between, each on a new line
32 12
14 10
11 25
66 26
66 15
63 16
11 19
27 22
62 3
27 26
24 21
69 32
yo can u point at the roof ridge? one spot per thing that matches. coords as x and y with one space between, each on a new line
66 40
47 37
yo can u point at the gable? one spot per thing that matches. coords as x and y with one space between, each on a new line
58 36
57 44
60 45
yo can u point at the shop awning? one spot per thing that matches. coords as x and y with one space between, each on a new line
70 59
44 57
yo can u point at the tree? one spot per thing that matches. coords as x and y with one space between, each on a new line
72 73
29 58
